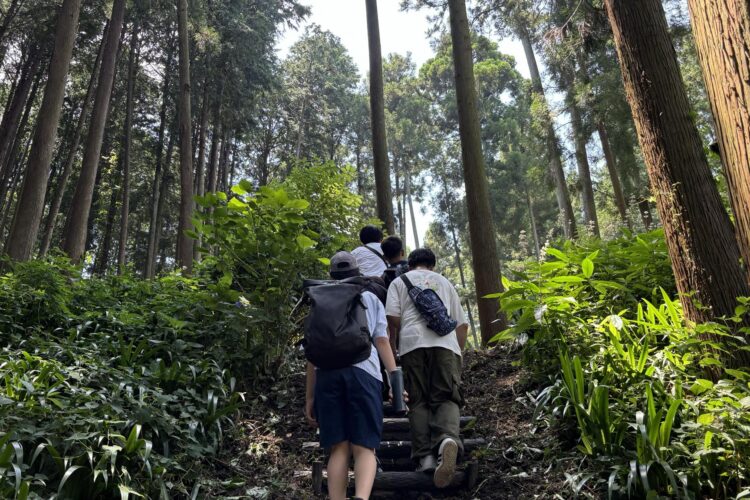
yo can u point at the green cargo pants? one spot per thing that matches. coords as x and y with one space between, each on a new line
432 377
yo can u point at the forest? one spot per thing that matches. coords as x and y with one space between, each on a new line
169 177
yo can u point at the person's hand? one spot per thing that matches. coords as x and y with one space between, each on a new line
405 394
309 414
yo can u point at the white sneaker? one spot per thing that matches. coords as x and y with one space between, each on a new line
427 463
447 455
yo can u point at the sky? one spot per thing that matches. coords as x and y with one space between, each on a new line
400 32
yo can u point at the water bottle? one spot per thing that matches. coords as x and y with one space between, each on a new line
397 387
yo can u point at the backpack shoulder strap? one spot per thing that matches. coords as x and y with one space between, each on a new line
406 280
380 255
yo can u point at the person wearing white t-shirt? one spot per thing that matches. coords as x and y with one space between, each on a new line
370 256
432 367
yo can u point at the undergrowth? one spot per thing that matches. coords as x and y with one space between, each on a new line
656 411
118 387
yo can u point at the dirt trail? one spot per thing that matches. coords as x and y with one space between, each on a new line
519 460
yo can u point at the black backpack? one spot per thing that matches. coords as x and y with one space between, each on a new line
336 330
431 307
392 272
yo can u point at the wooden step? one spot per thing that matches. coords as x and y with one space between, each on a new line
402 423
408 481
399 449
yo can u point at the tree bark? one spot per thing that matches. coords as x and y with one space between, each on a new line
557 173
126 146
102 259
8 17
534 230
609 159
184 242
200 182
213 156
74 242
12 116
9 166
481 228
62 181
28 214
155 190
407 185
722 35
164 184
701 243
582 160
377 121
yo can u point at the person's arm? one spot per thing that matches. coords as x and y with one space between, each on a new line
385 353
462 332
394 327
310 395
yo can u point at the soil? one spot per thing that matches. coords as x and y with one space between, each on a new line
263 457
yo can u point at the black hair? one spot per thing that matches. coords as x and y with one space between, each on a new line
370 234
392 247
422 257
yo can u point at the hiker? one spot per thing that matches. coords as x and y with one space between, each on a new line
431 363
393 251
345 402
370 256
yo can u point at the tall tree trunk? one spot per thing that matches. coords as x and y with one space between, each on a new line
584 170
126 146
534 230
184 242
609 159
200 182
481 228
12 116
102 259
213 156
377 121
26 221
74 242
701 243
10 167
62 181
224 162
557 173
164 185
155 190
8 16
722 36
407 185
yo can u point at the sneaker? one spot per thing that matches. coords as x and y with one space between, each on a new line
427 463
447 454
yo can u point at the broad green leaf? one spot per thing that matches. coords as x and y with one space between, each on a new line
587 266
706 419
304 242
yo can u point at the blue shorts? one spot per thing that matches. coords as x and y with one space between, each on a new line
349 407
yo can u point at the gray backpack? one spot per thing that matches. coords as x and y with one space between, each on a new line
336 330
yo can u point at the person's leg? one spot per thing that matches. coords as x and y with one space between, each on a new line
445 396
416 382
365 468
338 470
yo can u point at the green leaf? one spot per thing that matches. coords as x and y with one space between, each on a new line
298 204
557 254
706 419
304 242
587 266
236 204
701 385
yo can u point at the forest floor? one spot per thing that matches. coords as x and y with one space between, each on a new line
521 459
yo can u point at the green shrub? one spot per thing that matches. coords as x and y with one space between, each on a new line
600 322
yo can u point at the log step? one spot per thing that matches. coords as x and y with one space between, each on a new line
394 424
421 481
390 481
400 449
